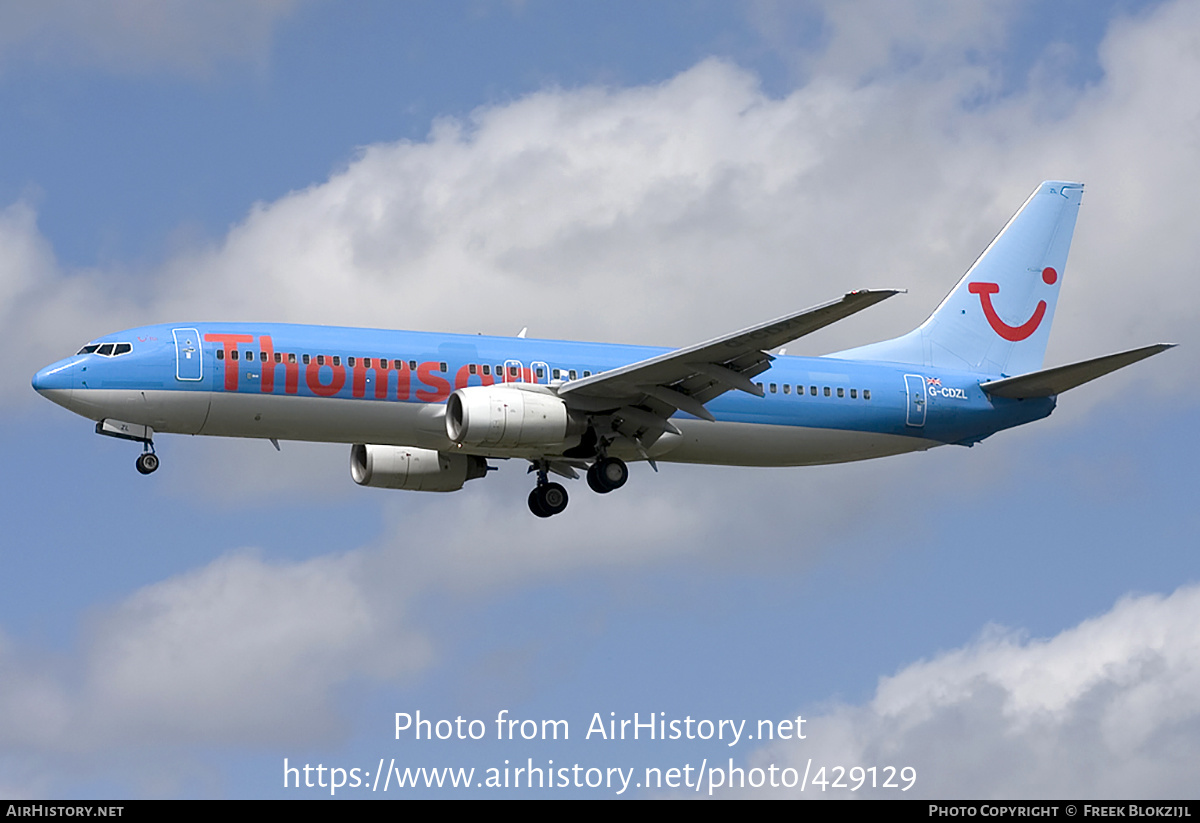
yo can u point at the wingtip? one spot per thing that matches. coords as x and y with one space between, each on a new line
884 292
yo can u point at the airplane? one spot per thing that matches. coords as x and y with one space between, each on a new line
425 411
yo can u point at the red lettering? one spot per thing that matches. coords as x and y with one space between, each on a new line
382 379
229 341
440 385
313 376
403 381
291 369
267 384
463 378
358 384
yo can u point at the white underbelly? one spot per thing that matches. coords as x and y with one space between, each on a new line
754 444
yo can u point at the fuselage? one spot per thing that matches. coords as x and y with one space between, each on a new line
347 385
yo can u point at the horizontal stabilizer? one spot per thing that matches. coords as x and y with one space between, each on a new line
1048 382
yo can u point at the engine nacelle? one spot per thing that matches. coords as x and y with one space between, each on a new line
509 417
407 467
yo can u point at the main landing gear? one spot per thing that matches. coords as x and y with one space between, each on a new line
548 499
607 474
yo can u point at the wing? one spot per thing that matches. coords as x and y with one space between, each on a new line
646 393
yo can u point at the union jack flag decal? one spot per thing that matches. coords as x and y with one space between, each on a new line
933 381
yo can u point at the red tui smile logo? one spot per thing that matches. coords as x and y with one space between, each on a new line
1012 333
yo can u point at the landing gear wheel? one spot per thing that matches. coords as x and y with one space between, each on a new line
147 462
607 474
535 504
547 500
554 497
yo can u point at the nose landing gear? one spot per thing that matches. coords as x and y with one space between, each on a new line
147 462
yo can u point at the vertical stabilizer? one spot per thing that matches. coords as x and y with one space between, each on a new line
997 319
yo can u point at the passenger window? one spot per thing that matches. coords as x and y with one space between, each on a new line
787 388
866 394
220 354
774 388
587 374
279 358
441 367
292 358
320 360
249 355
841 392
827 391
541 373
233 355
854 394
471 369
398 365
350 361
812 390
512 371
571 374
412 364
487 370
337 360
306 359
262 356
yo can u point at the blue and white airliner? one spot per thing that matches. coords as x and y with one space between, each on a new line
426 412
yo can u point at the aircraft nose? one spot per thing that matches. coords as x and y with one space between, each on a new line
55 380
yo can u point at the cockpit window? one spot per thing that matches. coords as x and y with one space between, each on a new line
106 349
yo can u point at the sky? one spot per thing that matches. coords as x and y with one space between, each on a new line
1012 620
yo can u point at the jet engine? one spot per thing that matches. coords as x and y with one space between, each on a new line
510 417
407 467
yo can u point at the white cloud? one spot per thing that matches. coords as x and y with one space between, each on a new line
659 214
185 36
1109 708
668 213
244 649
240 650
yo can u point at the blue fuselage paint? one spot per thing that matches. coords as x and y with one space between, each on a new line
357 373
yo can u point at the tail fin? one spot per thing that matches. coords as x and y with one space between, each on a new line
1017 278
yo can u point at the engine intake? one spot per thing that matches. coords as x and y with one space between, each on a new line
407 467
509 417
